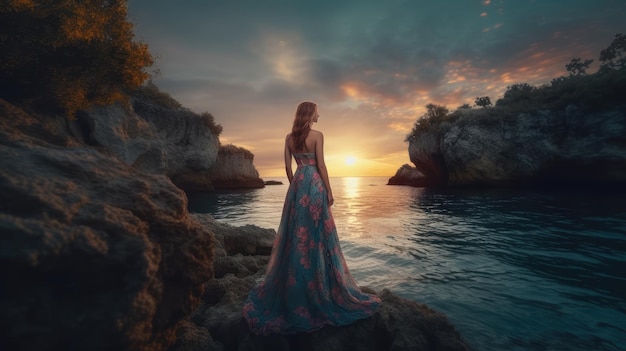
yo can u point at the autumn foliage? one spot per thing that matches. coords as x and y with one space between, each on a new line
68 55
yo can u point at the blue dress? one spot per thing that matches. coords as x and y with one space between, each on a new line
307 284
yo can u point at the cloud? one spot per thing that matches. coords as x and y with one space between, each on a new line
371 65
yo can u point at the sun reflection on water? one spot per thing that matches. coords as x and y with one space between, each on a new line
350 207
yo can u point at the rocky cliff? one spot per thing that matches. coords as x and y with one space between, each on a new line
488 147
95 254
235 169
156 135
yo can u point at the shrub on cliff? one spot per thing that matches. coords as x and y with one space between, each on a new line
149 97
435 115
150 92
231 149
209 121
590 92
65 56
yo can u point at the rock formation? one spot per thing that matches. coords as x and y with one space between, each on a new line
156 135
408 175
95 255
241 254
234 169
570 147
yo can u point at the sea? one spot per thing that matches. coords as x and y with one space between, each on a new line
512 269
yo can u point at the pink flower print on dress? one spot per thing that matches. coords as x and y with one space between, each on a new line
302 234
247 308
329 225
316 212
304 200
274 326
303 312
305 262
291 280
303 246
291 276
337 296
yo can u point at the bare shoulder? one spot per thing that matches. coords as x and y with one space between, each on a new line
316 133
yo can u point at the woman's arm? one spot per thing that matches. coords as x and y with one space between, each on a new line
288 160
321 166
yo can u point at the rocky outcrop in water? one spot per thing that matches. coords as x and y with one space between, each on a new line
241 255
574 146
234 169
95 255
408 175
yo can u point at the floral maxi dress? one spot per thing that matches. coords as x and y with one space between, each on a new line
307 284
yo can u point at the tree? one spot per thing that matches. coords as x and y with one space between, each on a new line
483 101
614 56
516 94
435 113
68 55
577 67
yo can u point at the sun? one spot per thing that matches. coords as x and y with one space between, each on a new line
350 160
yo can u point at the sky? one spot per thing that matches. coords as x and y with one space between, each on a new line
371 65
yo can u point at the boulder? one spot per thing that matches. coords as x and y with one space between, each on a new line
95 254
408 175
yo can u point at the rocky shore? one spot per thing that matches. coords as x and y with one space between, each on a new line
100 253
241 254
575 146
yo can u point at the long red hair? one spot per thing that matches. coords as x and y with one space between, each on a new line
302 124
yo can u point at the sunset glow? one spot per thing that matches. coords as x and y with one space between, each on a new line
371 67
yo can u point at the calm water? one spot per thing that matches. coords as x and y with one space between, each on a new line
512 269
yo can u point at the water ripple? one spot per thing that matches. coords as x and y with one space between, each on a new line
513 270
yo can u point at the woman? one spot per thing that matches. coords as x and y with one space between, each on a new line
307 284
